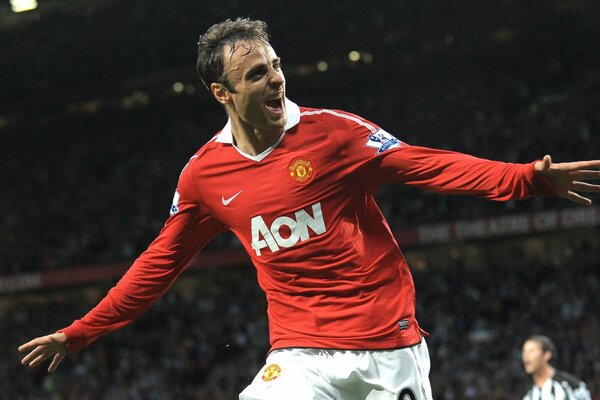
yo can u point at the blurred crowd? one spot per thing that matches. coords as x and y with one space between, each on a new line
208 336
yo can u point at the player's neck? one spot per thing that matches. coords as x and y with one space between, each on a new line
543 374
251 140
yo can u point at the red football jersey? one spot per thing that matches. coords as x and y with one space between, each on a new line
304 210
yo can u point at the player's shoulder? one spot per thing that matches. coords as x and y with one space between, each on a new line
200 154
563 377
334 118
573 385
212 144
208 150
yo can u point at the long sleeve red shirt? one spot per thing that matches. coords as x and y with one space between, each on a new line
304 210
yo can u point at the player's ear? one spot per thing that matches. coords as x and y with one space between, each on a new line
220 92
547 356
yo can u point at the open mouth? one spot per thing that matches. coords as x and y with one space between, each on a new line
275 105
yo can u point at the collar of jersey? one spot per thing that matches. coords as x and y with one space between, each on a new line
293 114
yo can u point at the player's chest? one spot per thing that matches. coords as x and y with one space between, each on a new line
277 186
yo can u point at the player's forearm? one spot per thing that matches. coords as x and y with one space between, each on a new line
186 232
456 173
133 295
146 281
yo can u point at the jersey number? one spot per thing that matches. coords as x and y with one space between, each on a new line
407 394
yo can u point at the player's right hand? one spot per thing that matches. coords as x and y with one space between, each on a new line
568 178
44 347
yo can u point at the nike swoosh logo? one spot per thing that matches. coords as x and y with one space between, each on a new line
229 200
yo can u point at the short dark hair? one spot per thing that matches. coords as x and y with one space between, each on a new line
210 46
546 342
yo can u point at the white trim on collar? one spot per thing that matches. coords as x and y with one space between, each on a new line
293 114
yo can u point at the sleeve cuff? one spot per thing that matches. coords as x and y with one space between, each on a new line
76 339
540 185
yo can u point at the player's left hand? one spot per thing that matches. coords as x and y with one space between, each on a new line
566 178
44 347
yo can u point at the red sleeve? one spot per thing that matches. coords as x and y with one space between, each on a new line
375 157
455 173
187 230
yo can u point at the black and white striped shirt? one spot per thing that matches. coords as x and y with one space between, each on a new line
561 386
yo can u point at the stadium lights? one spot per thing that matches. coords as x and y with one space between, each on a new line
178 87
322 66
354 56
23 5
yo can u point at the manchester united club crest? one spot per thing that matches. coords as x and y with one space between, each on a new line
301 170
271 372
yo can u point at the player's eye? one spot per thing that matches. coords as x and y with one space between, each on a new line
256 74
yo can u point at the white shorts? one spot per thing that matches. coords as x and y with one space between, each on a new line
320 374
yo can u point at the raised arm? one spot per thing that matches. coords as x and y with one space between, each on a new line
141 286
450 172
379 158
186 231
456 173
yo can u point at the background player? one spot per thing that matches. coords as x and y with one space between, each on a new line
548 382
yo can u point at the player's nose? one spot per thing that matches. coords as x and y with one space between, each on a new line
276 78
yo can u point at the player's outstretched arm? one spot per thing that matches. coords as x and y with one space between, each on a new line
44 347
567 178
